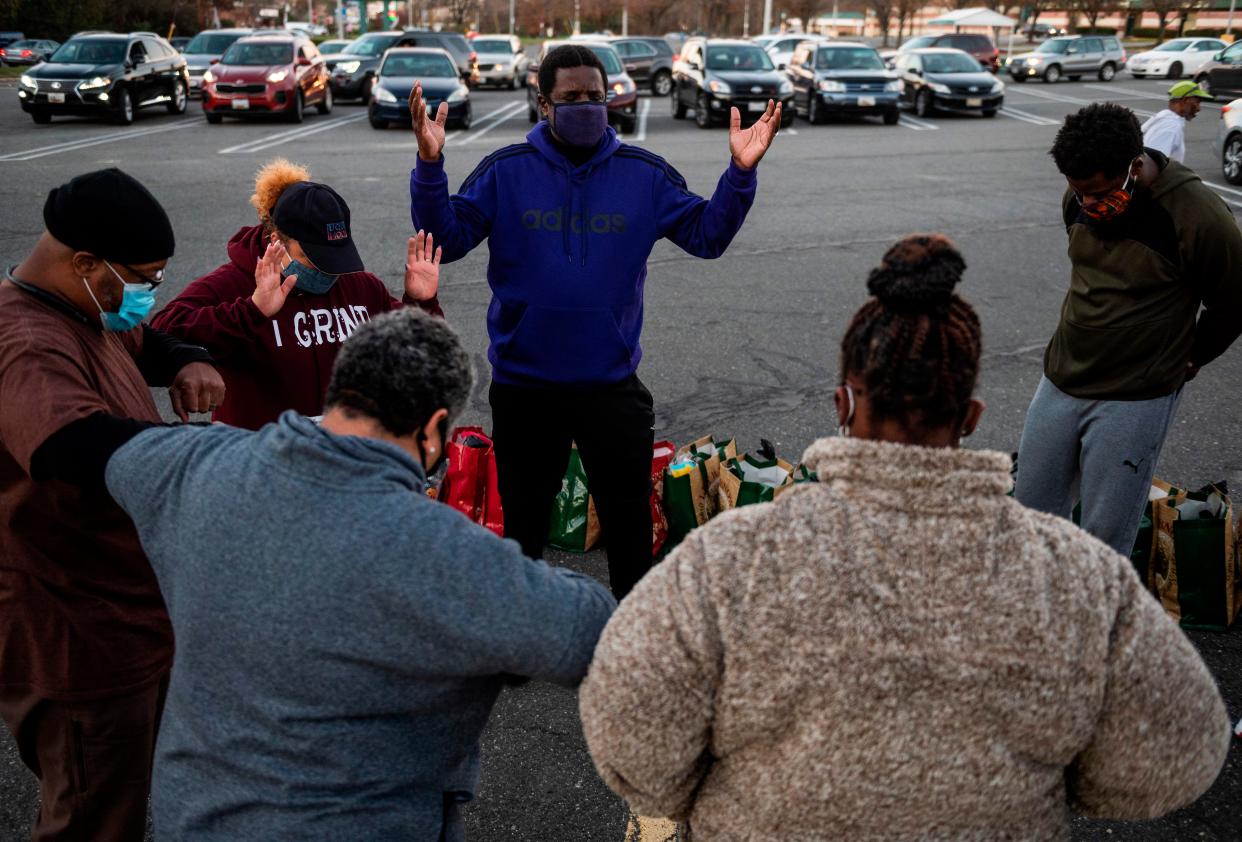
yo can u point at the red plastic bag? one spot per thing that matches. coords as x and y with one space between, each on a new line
661 458
470 486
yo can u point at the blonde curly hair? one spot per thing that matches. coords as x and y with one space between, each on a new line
269 182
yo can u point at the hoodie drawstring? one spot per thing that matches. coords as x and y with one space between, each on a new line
569 216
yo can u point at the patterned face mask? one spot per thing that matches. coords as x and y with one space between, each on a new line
1111 206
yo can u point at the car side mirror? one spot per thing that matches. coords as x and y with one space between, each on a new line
134 61
1218 56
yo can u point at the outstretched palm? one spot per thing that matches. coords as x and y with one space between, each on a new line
422 267
428 131
748 146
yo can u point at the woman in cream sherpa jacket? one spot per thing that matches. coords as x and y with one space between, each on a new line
901 652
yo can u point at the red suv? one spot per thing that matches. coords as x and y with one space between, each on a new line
267 74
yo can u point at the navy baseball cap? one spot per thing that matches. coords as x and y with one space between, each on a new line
317 217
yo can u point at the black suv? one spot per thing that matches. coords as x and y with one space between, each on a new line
353 72
113 74
714 74
838 77
649 61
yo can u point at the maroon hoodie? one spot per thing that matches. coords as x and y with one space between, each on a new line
271 365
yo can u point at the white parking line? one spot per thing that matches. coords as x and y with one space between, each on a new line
916 124
97 140
790 131
1072 100
500 115
1026 116
268 141
1232 190
643 111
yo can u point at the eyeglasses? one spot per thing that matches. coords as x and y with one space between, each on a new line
153 282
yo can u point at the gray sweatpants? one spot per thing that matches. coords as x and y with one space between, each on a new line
1102 452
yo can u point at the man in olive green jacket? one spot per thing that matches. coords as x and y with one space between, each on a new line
1151 247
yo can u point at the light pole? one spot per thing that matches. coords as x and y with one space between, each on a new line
577 20
767 17
746 21
625 19
1229 24
512 16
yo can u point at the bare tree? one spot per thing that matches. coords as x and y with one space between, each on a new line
1164 10
1184 10
1092 9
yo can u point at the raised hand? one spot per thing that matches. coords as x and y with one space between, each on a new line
748 147
428 132
422 267
270 291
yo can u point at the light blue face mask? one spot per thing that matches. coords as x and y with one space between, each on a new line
137 300
310 280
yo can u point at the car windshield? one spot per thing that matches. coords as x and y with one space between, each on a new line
738 58
258 54
921 41
371 46
210 43
423 65
1172 47
492 45
23 45
606 55
950 63
331 48
1056 45
860 58
91 51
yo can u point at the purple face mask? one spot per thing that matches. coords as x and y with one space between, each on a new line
580 123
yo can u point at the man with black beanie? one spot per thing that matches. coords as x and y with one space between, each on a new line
85 641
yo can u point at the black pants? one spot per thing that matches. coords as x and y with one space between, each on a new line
534 428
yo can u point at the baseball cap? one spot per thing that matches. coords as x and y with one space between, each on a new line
1188 88
317 217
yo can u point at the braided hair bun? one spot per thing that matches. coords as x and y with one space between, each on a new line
918 274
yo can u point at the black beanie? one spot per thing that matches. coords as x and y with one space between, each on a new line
111 215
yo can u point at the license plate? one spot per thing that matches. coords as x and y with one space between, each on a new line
241 105
866 101
974 103
56 99
758 106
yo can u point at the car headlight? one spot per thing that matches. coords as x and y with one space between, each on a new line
382 94
1032 62
503 65
96 83
939 88
278 76
349 66
786 88
998 88
209 77
718 87
459 95
27 82
831 86
894 85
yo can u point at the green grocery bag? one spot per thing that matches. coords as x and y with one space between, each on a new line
574 527
690 486
1196 571
759 478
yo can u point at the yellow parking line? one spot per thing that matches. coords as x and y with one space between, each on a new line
645 829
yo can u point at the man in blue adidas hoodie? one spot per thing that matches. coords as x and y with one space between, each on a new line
570 217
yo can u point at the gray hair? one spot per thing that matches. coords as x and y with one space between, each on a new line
399 369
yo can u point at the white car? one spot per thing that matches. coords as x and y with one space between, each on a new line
1175 59
310 30
782 49
502 60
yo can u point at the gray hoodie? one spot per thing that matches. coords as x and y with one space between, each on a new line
341 638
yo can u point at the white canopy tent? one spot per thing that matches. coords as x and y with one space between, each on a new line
977 18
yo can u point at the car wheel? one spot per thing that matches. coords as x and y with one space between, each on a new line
297 111
1053 74
325 107
813 115
532 114
179 98
702 112
923 104
41 117
677 106
214 119
513 84
1231 163
1175 70
368 90
124 108
661 83
891 116
1107 72
787 117
467 119
377 122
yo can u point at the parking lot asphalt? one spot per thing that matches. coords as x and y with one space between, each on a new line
743 346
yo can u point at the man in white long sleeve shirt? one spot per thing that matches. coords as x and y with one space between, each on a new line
1166 131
